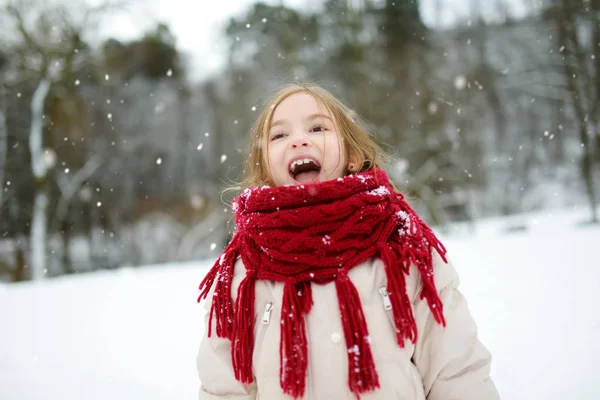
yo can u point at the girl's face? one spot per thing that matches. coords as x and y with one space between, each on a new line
302 145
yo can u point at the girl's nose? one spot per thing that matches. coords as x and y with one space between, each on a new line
300 140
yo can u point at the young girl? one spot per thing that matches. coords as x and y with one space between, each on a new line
332 287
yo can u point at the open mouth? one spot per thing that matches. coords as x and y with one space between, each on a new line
305 170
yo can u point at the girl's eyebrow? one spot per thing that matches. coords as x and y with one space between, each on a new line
309 118
316 116
279 122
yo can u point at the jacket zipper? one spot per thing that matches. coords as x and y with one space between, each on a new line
267 313
387 304
261 331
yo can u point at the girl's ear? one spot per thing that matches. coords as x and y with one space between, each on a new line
353 164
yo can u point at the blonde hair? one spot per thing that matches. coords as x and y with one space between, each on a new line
357 142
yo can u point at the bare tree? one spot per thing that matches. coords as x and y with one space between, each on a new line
47 51
40 172
582 73
3 139
3 124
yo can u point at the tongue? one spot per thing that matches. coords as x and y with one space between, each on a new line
307 177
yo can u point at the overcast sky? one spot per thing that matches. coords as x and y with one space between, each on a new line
198 24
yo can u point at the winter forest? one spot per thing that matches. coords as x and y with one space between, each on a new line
117 145
112 155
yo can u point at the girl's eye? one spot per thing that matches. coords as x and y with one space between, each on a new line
276 136
318 128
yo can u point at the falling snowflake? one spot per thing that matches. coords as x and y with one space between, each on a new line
159 161
99 204
213 246
106 77
160 107
460 81
170 72
432 107
199 146
223 158
77 82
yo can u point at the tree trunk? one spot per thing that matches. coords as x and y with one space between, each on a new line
20 272
579 94
586 165
595 46
185 161
37 242
67 263
37 236
3 142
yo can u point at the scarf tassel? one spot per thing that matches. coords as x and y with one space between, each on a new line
293 346
362 374
425 266
406 327
423 242
243 330
221 276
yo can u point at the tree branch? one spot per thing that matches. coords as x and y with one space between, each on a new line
18 18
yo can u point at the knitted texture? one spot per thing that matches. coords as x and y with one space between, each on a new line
316 233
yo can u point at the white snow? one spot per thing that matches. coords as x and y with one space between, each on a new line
133 333
128 334
380 191
404 219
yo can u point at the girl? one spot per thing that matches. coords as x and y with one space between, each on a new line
332 287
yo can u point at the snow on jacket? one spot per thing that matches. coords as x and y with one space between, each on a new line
446 363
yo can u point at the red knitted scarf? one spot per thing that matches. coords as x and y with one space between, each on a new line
317 233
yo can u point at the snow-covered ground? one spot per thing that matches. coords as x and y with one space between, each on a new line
133 333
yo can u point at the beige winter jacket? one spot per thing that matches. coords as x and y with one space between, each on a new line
445 364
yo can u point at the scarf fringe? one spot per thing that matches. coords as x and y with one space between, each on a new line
293 344
406 327
243 329
221 303
362 374
419 251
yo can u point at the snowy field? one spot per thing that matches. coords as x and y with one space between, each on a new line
133 333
